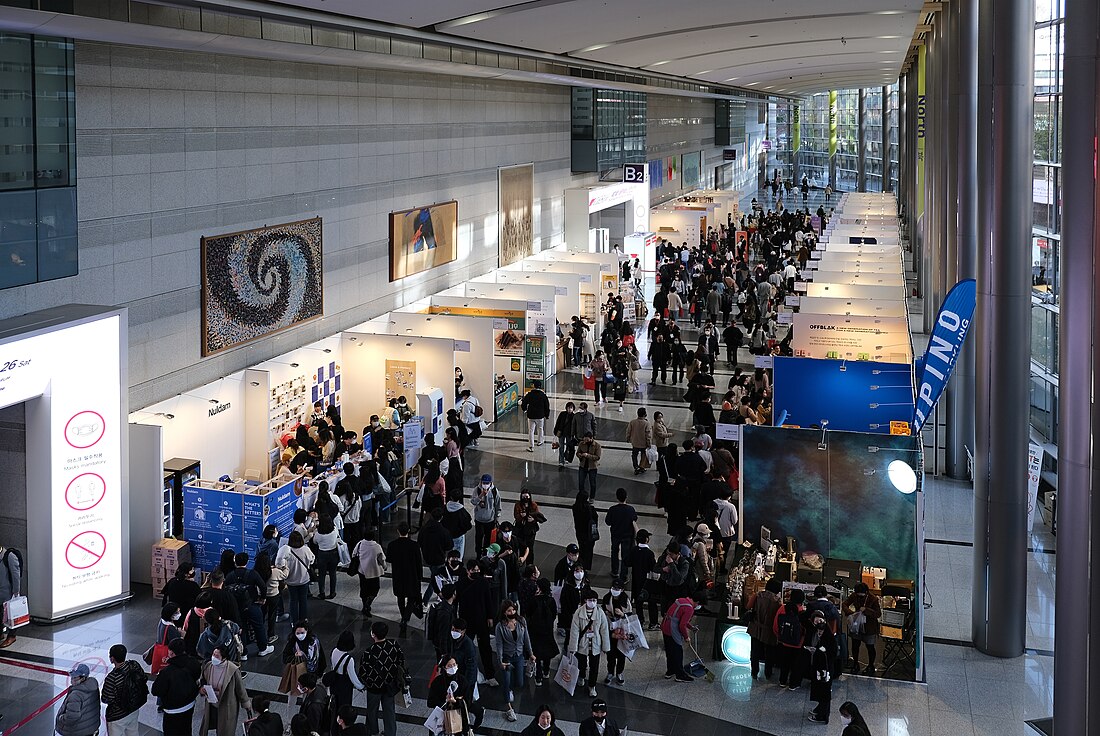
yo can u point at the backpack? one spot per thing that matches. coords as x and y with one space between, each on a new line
242 595
136 687
22 569
790 627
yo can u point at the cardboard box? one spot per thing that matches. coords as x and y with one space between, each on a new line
168 554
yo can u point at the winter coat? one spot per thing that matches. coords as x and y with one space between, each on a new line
535 404
372 560
540 616
585 622
231 696
638 433
79 714
406 566
583 422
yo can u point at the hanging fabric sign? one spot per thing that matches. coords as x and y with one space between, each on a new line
952 324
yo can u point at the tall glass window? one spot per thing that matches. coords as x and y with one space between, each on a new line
847 144
814 161
872 138
38 223
1046 215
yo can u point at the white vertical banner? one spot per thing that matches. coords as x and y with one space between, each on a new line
1034 465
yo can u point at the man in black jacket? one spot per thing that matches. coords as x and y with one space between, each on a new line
563 430
598 724
315 702
434 541
440 619
476 606
536 406
406 566
249 589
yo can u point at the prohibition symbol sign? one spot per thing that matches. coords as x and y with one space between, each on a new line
85 550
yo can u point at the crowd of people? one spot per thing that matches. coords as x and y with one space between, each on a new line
493 619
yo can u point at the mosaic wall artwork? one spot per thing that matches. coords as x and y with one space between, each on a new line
260 281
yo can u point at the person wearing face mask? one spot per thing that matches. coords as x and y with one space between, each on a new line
314 700
563 571
820 648
301 648
572 595
598 724
540 614
224 679
345 724
453 573
563 430
543 725
486 503
406 567
451 691
441 616
645 580
475 604
854 725
589 636
463 650
512 646
176 687
529 519
616 605
343 680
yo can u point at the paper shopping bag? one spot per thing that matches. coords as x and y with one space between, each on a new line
435 720
16 612
568 673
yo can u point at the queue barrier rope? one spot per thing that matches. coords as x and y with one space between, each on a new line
45 706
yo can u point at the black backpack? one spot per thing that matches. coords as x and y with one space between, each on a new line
136 687
790 627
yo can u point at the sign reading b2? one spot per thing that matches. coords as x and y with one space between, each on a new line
635 173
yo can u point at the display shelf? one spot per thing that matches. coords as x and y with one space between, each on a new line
289 403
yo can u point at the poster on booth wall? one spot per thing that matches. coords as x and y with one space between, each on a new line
534 367
508 333
400 378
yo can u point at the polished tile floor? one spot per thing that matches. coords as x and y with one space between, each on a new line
966 694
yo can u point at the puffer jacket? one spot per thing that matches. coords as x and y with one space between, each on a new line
582 644
79 714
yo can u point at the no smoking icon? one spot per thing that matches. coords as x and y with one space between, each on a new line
85 550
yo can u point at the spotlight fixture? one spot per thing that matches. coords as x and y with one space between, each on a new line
293 365
327 350
902 476
213 401
253 383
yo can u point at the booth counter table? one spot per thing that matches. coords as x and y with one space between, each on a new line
506 398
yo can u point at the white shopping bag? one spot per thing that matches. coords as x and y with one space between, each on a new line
16 612
568 673
435 721
345 555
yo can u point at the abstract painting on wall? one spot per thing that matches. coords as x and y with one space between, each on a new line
422 238
517 204
260 281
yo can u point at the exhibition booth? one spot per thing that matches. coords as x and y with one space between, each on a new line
582 202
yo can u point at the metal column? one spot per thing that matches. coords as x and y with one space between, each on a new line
932 203
1006 45
951 212
961 416
912 157
1077 658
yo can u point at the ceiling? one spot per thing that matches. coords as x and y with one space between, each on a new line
792 47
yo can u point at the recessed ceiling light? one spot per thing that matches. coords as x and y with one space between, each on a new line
595 47
752 83
731 79
757 35
667 61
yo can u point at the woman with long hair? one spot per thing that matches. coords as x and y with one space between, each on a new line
854 725
513 649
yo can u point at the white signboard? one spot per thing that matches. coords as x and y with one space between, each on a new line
883 339
731 432
414 440
78 536
1034 466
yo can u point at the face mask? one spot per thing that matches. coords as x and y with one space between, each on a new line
175 617
846 720
599 719
275 535
507 536
590 605
510 615
451 670
453 564
300 637
578 576
526 499
456 635
616 593
215 661
484 486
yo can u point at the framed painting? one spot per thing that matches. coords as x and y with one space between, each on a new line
423 238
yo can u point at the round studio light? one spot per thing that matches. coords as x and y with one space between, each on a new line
902 476
737 645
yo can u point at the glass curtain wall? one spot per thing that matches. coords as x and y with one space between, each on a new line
847 144
872 138
892 134
815 140
1046 216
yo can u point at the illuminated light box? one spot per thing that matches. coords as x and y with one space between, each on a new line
737 646
67 364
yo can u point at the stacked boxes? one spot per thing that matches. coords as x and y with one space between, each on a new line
168 554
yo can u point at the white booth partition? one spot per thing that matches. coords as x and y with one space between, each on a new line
855 291
589 275
872 278
540 322
404 364
857 307
473 343
883 339
567 287
509 320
